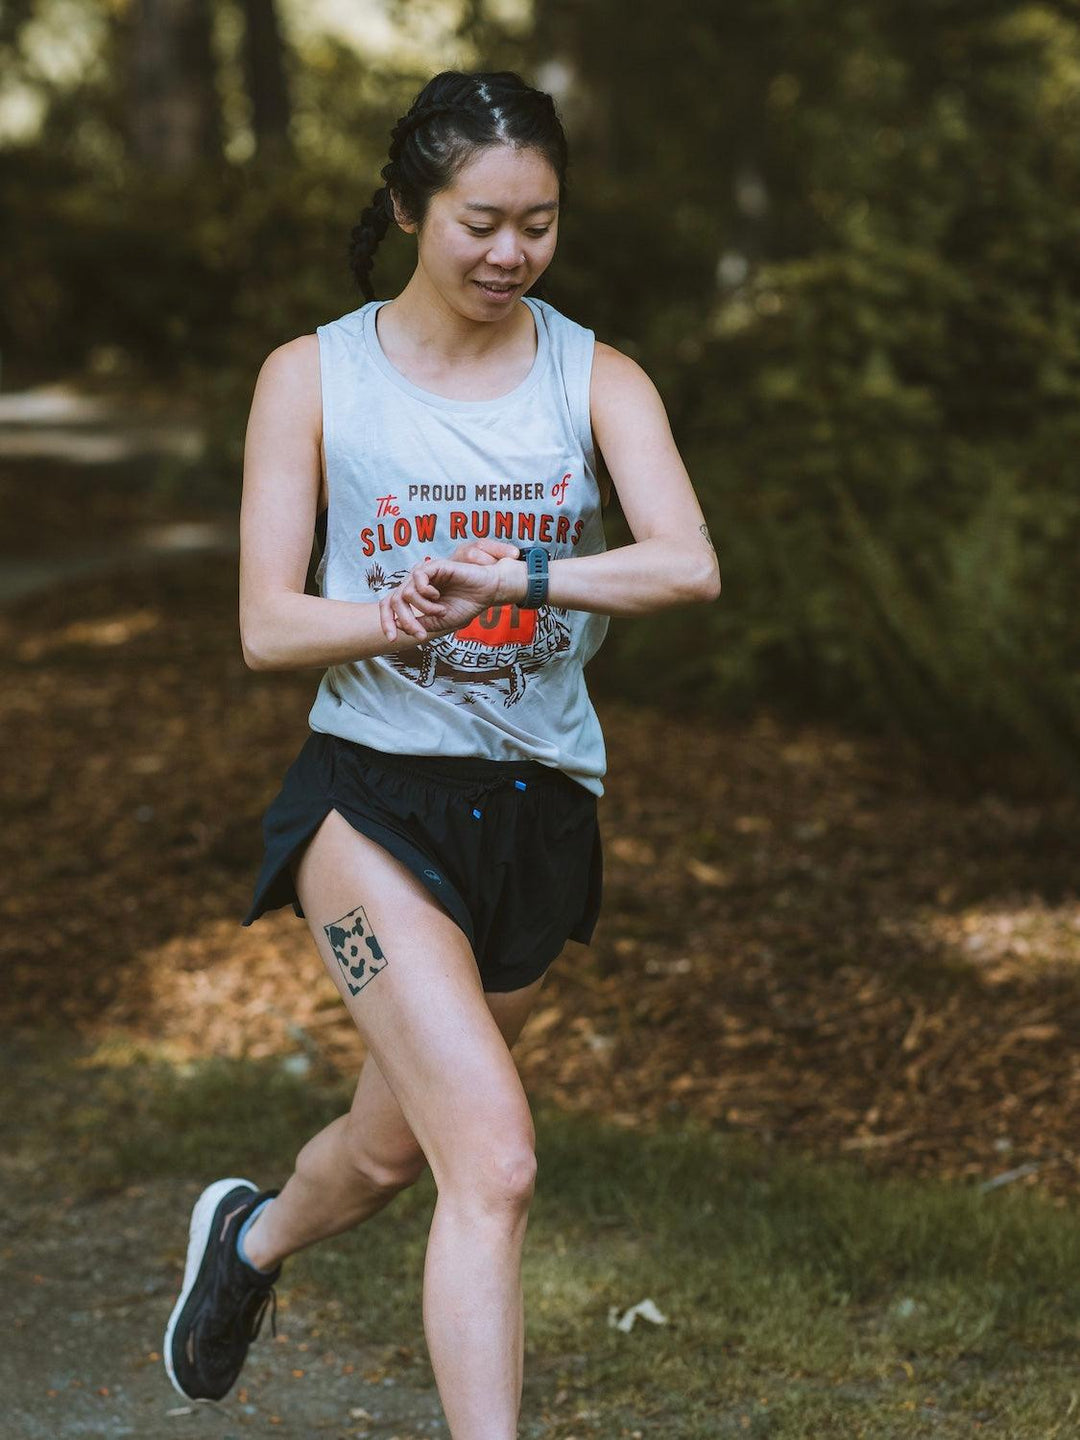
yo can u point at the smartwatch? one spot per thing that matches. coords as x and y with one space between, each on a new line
536 562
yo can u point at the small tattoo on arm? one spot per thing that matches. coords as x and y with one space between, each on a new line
707 537
356 949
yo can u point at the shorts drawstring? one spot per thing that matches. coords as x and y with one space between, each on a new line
479 791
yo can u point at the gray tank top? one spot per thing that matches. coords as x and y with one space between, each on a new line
412 474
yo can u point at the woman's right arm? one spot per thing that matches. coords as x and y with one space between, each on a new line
282 628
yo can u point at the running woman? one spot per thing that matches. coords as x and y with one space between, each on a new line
438 829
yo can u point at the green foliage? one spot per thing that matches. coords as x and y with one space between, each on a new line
877 414
842 239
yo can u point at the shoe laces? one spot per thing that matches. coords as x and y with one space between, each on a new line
243 1325
241 1321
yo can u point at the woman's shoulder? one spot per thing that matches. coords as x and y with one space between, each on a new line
293 366
290 376
294 357
615 370
620 391
303 351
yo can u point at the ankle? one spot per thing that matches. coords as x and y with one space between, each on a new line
251 1242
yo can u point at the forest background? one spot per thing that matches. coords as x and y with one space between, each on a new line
813 1089
843 238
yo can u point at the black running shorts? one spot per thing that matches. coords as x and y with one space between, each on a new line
510 848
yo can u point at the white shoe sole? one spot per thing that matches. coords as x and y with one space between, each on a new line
198 1236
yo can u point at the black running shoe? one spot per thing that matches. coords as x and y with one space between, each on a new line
222 1301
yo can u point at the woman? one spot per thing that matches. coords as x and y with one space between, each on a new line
438 829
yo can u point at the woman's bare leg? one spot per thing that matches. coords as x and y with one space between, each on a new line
414 992
355 1166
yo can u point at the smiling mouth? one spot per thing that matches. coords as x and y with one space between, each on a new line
490 285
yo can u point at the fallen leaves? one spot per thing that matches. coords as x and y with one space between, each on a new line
798 938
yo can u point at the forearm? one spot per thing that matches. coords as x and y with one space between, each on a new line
299 632
630 580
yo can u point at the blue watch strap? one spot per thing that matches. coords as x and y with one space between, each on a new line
536 564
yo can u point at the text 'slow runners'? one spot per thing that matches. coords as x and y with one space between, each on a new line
223 1299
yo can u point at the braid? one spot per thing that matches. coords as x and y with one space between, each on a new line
365 238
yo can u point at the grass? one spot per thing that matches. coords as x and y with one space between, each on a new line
802 1299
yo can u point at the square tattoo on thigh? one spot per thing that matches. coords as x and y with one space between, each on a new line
356 949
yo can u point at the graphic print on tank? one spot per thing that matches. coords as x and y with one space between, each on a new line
494 652
493 656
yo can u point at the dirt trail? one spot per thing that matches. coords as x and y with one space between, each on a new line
93 1282
64 433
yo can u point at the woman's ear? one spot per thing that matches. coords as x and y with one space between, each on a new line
400 218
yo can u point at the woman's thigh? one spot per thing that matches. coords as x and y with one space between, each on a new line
381 1140
408 976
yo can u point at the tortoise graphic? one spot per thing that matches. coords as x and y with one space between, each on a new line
502 643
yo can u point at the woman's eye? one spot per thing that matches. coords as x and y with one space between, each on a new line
536 234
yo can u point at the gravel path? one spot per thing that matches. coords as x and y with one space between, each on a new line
56 424
90 1285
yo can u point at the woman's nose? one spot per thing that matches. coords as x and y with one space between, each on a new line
507 253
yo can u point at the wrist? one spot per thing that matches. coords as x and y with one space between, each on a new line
513 582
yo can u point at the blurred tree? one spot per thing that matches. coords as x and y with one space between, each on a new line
13 16
266 79
175 115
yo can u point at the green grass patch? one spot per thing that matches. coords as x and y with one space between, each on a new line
96 1119
801 1298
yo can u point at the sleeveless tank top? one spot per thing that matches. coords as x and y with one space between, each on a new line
412 474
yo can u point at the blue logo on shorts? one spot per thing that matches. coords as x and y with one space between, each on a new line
434 875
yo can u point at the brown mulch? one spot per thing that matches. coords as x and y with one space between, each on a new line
800 938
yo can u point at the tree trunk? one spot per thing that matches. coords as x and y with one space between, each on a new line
175 117
265 70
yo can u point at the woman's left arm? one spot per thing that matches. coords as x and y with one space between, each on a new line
672 560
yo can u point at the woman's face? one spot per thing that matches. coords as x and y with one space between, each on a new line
498 221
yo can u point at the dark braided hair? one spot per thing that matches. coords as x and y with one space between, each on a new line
454 116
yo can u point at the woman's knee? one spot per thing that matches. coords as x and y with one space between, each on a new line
515 1176
497 1178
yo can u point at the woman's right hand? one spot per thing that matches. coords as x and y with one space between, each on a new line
420 608
484 552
